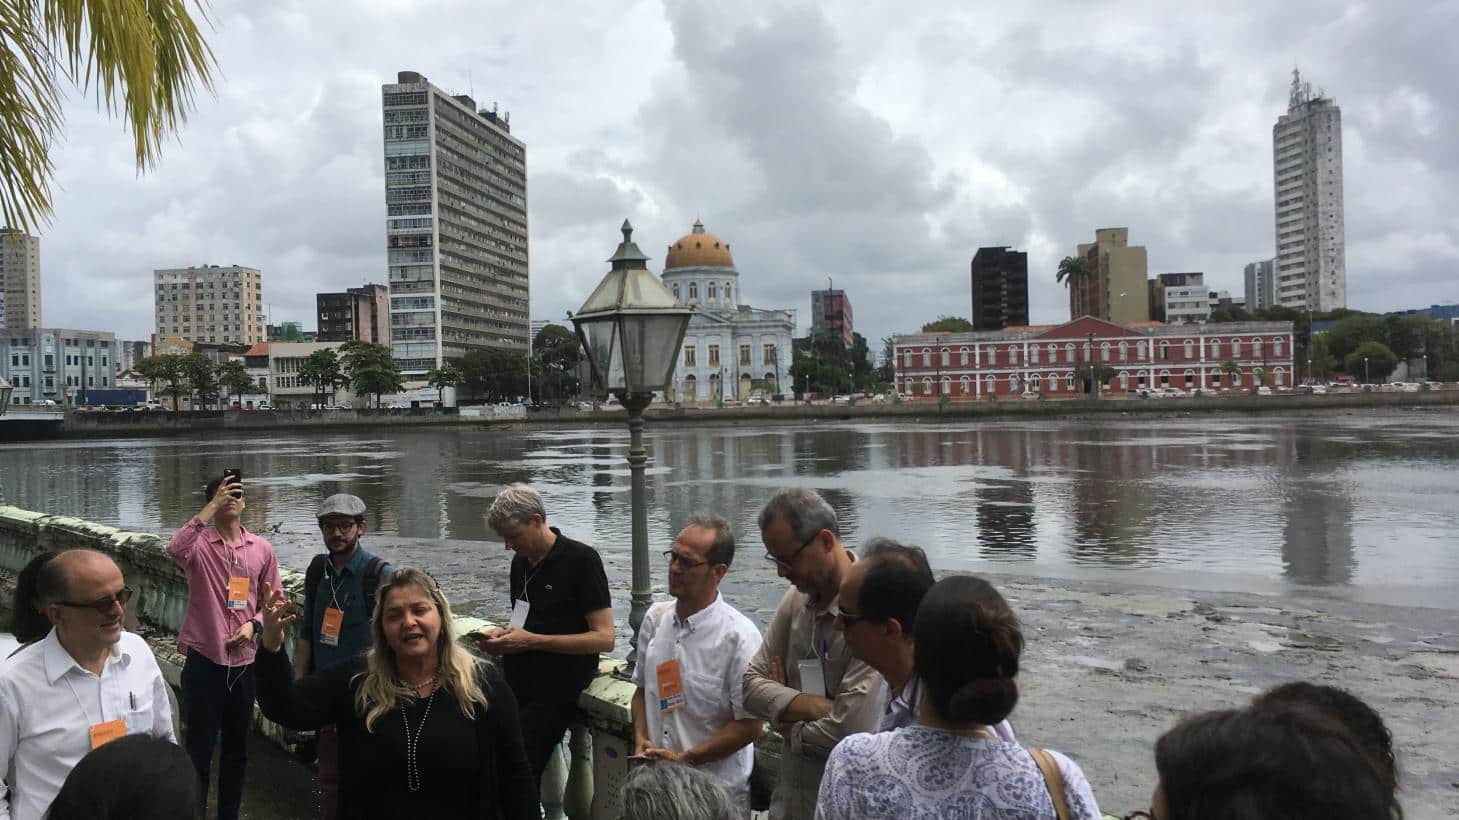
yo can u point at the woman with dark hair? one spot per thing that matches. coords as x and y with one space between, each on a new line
136 777
1287 760
1358 717
950 763
426 729
27 623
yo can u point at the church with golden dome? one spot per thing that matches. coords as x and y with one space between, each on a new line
731 350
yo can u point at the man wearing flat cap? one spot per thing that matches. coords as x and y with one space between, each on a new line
339 598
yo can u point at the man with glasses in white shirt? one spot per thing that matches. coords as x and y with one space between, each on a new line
692 655
86 683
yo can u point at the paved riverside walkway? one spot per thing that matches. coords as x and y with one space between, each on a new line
276 785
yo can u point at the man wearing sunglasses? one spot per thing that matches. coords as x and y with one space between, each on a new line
86 683
804 678
692 655
226 566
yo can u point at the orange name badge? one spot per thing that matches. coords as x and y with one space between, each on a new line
329 630
671 686
237 593
103 733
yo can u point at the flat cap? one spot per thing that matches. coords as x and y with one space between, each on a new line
342 504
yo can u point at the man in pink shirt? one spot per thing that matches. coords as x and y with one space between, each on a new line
226 565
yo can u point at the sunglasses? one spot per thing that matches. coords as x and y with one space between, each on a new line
850 619
103 605
682 560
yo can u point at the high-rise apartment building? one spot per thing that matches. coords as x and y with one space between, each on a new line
1261 281
1180 298
1000 288
456 227
210 303
831 310
1311 266
358 313
20 276
1116 288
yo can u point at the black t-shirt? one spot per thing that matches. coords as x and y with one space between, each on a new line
562 589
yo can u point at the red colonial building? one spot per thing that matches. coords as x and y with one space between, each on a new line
1052 359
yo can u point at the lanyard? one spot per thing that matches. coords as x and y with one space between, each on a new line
333 589
530 576
99 703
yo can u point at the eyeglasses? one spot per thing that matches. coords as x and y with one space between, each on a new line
850 619
683 561
325 526
790 562
103 605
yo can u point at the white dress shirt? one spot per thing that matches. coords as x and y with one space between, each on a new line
714 646
48 704
901 711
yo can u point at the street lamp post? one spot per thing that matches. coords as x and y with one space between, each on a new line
632 328
1366 378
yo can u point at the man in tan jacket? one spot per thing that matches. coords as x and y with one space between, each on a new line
804 679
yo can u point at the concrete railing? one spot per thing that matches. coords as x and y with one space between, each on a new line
600 741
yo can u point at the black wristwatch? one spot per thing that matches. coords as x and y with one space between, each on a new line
257 629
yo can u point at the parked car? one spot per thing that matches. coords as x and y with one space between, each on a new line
1434 385
756 400
1263 391
264 406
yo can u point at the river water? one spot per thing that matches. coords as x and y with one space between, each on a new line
1355 505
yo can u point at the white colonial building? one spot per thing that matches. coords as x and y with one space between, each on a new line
730 346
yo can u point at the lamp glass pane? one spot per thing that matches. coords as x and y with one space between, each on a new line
651 344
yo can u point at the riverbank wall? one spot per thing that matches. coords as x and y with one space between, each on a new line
118 425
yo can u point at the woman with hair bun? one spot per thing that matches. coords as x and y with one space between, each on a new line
949 763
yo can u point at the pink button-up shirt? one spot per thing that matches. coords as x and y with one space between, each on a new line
208 562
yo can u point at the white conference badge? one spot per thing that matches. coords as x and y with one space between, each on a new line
519 614
812 678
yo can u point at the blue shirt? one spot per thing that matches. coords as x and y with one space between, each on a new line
343 590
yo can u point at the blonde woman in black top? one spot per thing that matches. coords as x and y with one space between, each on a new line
426 729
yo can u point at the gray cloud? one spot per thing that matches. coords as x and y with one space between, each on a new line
872 144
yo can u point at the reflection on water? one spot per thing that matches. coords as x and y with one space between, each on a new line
1350 502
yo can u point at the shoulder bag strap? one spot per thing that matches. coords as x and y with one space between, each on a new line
1053 781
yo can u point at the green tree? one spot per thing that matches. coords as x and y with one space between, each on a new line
442 378
166 368
1373 361
1323 362
234 377
202 377
322 370
824 365
888 360
370 368
494 374
1350 332
1073 270
948 324
556 354
142 58
1259 376
1231 370
1233 313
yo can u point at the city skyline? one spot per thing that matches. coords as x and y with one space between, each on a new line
824 143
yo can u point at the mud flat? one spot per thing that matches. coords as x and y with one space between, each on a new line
1107 668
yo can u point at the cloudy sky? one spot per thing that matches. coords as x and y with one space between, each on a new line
857 140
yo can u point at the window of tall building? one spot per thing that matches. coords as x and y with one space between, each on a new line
744 351
714 355
767 354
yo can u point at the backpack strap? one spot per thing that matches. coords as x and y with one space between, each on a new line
1053 781
312 576
371 581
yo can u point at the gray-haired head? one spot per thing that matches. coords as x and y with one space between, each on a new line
804 511
673 791
514 506
722 550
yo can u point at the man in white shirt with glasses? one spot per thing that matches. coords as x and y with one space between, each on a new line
692 655
86 683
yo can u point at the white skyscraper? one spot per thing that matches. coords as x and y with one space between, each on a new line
1311 270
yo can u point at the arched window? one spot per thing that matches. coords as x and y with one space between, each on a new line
1012 355
946 386
713 291
693 291
1012 383
1069 378
1034 380
1054 382
1033 354
1164 350
676 291
962 355
1165 378
729 292
1277 346
1124 380
1053 354
1124 352
1256 348
1104 351
962 386
1236 350
691 387
1190 349
1215 378
1069 352
1140 351
1279 376
944 357
909 357
927 387
926 357
992 356
1140 379
991 382
1190 379
1236 379
1215 349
